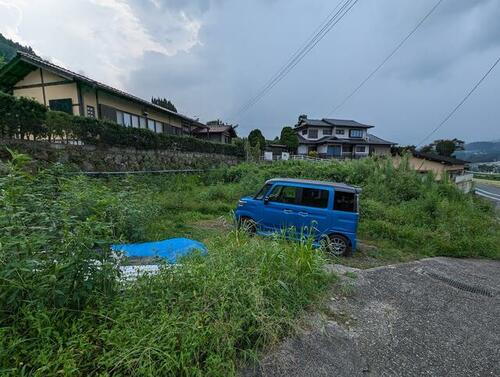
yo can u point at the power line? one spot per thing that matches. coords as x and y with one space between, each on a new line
299 54
460 103
403 41
302 52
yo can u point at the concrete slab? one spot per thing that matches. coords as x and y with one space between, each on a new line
434 317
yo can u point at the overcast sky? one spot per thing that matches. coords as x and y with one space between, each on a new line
211 56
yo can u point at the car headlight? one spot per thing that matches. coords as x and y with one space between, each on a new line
241 203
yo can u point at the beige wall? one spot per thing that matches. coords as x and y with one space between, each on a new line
49 77
89 98
423 165
33 93
381 150
62 91
31 78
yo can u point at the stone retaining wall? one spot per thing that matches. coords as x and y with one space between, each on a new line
95 159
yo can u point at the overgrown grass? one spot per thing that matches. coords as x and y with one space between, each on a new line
63 314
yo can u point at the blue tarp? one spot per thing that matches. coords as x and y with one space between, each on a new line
169 249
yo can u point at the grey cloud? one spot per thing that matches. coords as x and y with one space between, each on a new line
459 29
244 42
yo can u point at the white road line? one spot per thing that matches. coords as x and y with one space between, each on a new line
488 193
487 196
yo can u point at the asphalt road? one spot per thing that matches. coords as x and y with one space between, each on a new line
489 192
402 320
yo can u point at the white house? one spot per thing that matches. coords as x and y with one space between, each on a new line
337 138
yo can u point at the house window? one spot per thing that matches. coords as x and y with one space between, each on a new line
142 122
135 121
356 133
313 134
327 131
127 121
339 132
361 149
65 105
119 117
151 125
90 111
304 132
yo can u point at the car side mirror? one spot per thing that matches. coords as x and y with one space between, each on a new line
266 199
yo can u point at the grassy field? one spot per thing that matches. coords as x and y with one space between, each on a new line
488 181
63 314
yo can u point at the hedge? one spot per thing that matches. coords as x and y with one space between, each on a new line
22 118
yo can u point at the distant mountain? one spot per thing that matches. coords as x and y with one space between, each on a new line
480 151
8 48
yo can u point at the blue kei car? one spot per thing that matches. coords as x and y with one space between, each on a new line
327 212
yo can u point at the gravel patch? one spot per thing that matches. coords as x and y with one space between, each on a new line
401 321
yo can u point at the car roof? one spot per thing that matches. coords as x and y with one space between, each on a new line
337 186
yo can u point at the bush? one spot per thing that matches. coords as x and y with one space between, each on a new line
22 117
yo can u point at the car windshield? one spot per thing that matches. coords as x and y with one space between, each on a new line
263 191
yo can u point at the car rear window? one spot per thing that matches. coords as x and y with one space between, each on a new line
345 201
312 197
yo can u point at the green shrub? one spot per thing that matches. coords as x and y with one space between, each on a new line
21 117
24 117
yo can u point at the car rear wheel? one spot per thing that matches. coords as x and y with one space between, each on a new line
248 225
337 245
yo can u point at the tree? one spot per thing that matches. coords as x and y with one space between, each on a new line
427 148
2 61
163 102
289 138
399 151
256 138
445 147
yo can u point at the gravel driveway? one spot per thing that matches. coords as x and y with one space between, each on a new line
434 317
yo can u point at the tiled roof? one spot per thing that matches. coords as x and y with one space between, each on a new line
437 158
372 139
217 130
326 122
346 123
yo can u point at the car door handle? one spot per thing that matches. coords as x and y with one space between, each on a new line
303 214
287 211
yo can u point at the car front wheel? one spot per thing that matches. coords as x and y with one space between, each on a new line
337 245
248 225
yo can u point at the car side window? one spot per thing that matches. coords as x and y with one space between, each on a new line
284 194
345 201
260 195
313 197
